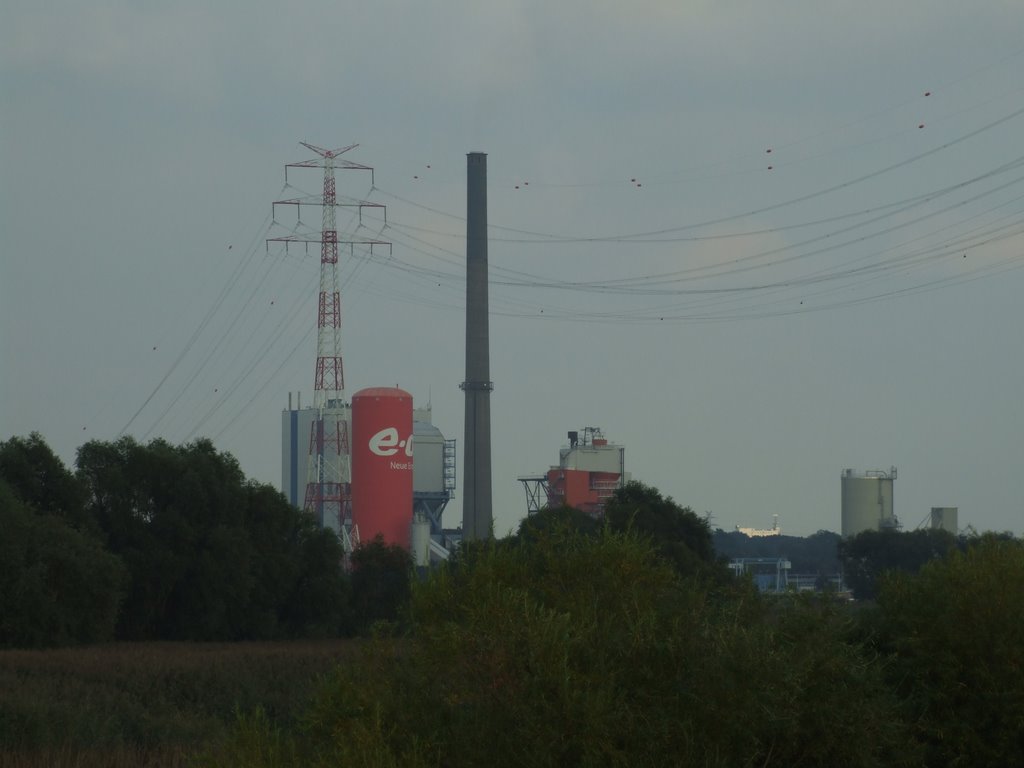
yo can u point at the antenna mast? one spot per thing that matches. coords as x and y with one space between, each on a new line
328 491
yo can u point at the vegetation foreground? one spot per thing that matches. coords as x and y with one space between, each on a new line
573 642
567 649
574 650
154 704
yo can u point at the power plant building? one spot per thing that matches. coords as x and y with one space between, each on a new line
433 476
588 472
433 464
867 501
351 465
297 434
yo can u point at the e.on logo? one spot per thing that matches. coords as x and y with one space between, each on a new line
386 443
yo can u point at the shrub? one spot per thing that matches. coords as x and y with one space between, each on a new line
956 632
591 650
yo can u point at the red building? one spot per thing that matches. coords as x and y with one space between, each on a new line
588 472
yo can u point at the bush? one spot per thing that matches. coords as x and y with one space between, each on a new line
956 633
591 650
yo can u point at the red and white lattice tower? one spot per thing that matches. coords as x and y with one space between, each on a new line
329 470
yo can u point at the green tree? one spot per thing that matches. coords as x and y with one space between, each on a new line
318 604
211 556
955 632
870 554
682 537
40 479
381 581
817 554
551 519
57 584
277 532
592 650
142 500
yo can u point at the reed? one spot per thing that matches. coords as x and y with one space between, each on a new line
149 704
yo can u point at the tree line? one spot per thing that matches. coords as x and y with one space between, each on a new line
861 560
817 554
161 542
624 642
575 641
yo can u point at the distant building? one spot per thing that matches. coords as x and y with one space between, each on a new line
867 501
433 464
756 532
770 574
945 519
589 470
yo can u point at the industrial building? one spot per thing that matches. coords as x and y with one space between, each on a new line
769 574
867 501
755 533
351 465
589 470
945 519
433 470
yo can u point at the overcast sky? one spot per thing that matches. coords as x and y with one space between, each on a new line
756 243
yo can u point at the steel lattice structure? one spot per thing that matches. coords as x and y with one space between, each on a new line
328 494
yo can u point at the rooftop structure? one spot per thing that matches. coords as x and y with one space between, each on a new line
589 470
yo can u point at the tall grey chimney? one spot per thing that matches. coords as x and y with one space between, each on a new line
477 519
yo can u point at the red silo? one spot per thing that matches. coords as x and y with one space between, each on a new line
382 464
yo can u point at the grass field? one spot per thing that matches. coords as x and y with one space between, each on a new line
149 704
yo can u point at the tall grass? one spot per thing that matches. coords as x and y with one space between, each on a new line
111 757
149 704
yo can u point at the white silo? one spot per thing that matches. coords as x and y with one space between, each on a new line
420 537
945 519
867 501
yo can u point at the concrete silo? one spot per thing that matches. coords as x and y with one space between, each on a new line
867 501
945 519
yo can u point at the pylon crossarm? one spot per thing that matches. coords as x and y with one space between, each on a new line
311 239
327 152
319 200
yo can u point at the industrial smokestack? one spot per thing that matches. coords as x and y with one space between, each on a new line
477 520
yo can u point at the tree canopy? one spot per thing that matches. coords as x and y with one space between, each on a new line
591 649
551 519
681 536
380 581
577 641
870 554
39 479
182 545
953 635
817 553
58 586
